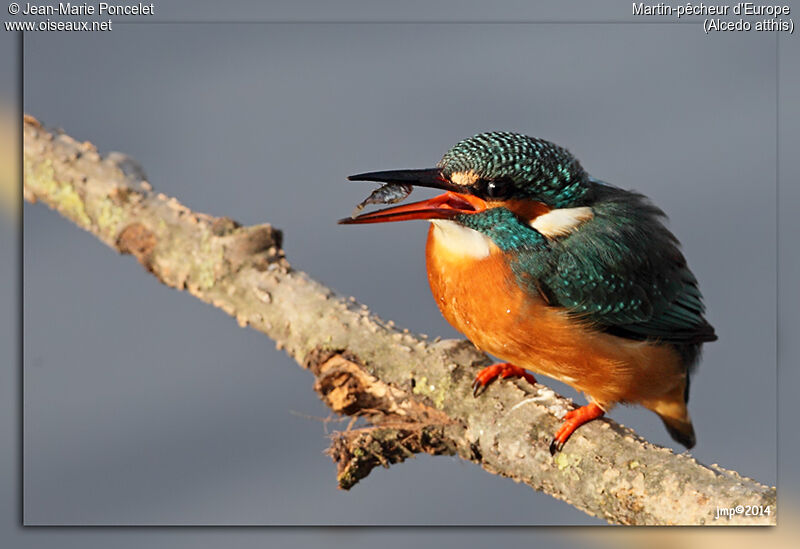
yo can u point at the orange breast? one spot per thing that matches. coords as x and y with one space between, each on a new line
480 298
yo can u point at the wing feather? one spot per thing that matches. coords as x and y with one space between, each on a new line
624 272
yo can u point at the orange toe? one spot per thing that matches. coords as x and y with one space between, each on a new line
502 370
572 420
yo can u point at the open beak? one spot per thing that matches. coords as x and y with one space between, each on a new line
444 206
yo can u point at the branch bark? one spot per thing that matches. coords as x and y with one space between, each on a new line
415 394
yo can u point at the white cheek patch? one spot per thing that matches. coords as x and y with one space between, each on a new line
459 240
561 221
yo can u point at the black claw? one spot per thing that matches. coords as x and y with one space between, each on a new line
555 446
476 388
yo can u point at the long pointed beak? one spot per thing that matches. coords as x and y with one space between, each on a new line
430 177
444 206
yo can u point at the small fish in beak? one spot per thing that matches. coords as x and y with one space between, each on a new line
398 185
391 193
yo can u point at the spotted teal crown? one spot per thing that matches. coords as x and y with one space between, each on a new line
537 168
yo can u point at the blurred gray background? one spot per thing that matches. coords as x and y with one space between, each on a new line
144 406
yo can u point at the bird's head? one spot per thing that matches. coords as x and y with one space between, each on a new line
489 177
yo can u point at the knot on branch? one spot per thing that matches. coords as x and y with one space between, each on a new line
403 425
138 240
258 245
348 388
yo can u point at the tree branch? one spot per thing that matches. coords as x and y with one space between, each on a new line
415 394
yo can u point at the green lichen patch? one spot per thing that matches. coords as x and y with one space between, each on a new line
110 216
40 176
207 259
436 392
418 386
568 463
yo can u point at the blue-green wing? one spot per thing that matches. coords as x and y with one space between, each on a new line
624 273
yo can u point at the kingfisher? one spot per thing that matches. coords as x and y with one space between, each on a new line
558 273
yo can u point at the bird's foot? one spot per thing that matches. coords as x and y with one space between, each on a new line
501 370
572 420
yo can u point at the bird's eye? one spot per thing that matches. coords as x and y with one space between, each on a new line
497 188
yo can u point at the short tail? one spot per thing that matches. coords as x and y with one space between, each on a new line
673 412
680 430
